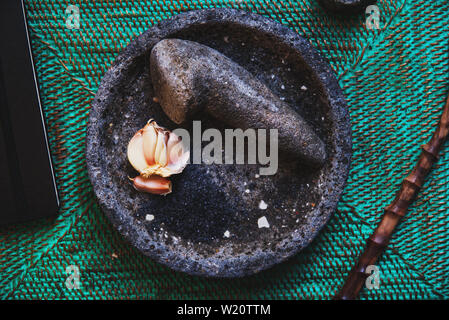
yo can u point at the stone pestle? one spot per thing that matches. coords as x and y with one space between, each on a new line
189 77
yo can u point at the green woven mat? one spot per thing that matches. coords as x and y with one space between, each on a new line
395 80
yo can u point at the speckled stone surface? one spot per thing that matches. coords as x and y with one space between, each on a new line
346 7
209 224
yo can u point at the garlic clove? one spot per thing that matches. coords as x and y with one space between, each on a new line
163 156
161 149
149 143
177 155
153 184
180 164
174 151
135 152
173 140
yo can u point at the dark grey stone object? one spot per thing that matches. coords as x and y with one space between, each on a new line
210 202
189 77
346 7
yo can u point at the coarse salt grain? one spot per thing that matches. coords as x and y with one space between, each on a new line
263 222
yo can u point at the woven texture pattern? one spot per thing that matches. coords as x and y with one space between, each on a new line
395 80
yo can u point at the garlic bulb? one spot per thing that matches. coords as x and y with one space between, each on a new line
154 150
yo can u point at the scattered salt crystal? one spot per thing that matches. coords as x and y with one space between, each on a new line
149 217
227 234
274 108
282 98
263 222
262 205
226 39
272 76
257 175
247 190
304 88
283 87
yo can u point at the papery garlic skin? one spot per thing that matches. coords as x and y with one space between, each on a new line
135 155
153 150
149 135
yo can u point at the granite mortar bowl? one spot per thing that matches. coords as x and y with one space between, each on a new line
187 232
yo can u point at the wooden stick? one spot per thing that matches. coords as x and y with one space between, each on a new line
396 210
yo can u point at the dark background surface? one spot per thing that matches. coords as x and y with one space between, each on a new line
27 187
